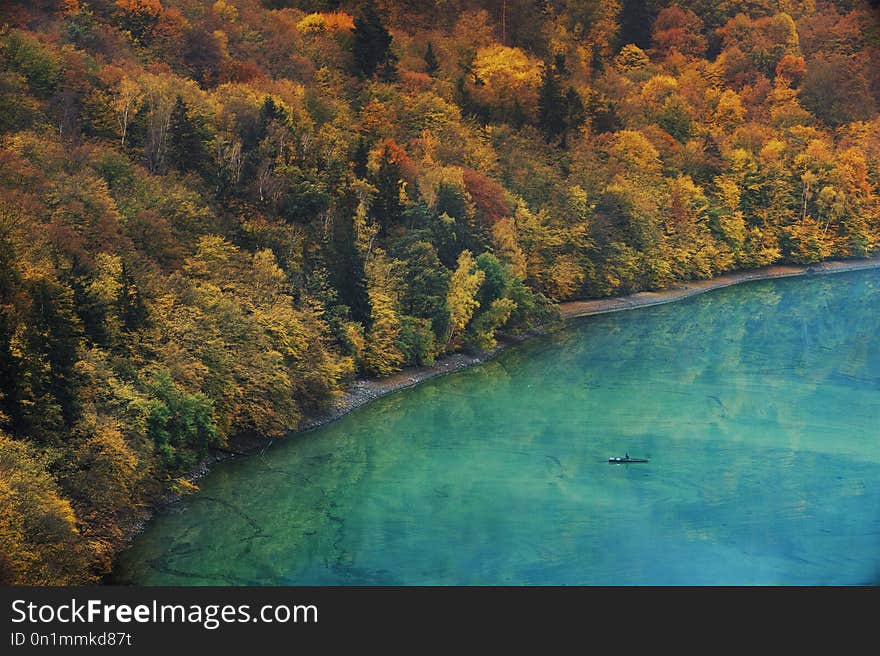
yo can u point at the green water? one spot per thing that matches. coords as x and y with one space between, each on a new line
758 406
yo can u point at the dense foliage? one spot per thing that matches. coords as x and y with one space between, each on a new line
213 215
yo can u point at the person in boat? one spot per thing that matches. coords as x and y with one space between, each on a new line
626 457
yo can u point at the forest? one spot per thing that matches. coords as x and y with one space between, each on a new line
214 216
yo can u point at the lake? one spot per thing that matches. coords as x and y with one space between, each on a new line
757 405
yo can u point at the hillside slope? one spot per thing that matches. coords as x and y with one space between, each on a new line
215 215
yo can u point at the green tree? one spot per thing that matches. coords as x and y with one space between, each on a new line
431 63
361 158
636 18
494 280
552 106
675 118
185 147
387 208
416 341
10 282
348 266
22 53
426 282
372 41
53 332
181 424
131 307
483 328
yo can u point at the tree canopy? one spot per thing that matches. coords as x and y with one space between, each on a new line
214 216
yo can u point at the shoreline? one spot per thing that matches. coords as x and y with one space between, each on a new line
574 309
365 390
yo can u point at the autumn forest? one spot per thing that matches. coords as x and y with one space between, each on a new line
214 216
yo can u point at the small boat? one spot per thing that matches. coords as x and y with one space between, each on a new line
626 458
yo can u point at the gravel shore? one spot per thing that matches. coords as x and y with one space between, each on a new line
363 391
574 309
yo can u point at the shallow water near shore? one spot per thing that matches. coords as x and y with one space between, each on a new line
757 405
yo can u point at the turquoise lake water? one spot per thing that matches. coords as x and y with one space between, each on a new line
758 406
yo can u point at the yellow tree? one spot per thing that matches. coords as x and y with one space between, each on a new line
604 26
461 298
125 101
694 251
632 61
488 322
39 540
729 112
507 246
510 80
633 156
728 216
852 204
382 355
140 17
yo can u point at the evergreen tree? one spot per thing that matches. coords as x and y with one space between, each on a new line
372 42
387 208
636 19
361 155
426 281
558 112
270 112
431 63
185 149
131 308
53 332
576 113
345 264
9 365
349 276
494 282
517 116
560 64
552 107
464 99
